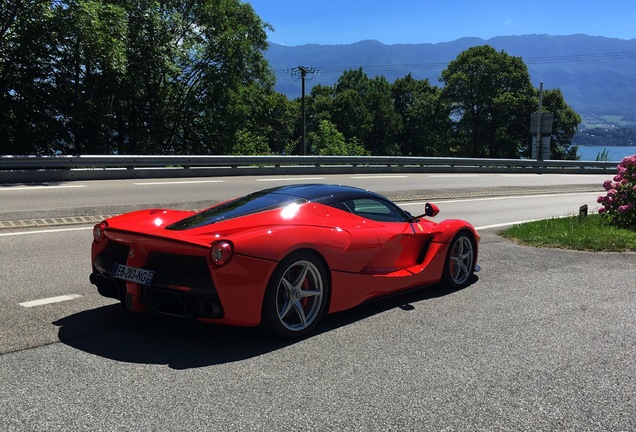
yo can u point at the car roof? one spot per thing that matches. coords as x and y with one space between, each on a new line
324 193
269 199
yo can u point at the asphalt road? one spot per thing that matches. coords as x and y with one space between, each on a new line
542 340
103 197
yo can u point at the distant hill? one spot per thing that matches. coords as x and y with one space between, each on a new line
597 75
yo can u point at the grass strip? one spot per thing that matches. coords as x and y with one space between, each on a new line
591 233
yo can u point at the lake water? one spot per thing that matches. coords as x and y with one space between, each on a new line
616 153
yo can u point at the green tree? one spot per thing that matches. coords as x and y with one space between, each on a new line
319 104
362 109
349 110
602 156
490 95
266 114
386 122
91 42
28 121
328 141
221 46
130 76
249 143
425 119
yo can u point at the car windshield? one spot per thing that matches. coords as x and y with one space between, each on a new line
249 204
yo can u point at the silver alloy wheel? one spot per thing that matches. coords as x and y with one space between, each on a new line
299 295
461 260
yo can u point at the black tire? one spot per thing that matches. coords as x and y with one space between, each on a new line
296 297
460 261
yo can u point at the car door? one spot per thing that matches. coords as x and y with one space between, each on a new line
400 242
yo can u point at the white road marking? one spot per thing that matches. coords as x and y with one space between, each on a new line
23 188
512 174
419 203
577 175
504 224
49 300
178 182
499 225
11 234
453 175
286 179
378 177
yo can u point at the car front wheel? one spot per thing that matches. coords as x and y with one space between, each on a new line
460 261
296 296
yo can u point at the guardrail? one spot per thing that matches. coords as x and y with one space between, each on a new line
22 169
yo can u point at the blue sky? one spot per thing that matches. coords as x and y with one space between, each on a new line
298 22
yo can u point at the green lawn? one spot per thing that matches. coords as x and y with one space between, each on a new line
590 233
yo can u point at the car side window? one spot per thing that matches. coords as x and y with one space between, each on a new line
340 206
375 209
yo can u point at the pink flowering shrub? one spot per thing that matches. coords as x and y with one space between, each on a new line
619 203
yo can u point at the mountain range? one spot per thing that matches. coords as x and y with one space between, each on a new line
597 75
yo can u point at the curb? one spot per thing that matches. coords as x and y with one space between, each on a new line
49 222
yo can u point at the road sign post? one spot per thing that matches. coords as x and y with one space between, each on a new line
541 127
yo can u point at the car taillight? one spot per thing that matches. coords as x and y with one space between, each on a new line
98 231
221 253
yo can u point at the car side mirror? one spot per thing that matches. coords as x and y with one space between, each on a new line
430 210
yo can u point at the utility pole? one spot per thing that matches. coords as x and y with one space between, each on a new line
539 111
303 71
541 130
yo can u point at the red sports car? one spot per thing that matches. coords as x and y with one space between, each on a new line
280 258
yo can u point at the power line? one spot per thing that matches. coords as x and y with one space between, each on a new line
303 72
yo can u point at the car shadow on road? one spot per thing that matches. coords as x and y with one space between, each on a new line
112 333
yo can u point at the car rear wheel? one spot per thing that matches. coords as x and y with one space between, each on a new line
460 261
296 296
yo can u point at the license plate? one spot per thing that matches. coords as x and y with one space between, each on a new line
132 274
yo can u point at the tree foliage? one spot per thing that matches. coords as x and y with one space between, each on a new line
425 119
189 77
128 76
328 141
490 94
482 111
27 95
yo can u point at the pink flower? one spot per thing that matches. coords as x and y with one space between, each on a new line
601 210
628 160
600 199
607 184
611 193
622 209
618 178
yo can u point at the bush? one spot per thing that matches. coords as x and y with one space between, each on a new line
618 206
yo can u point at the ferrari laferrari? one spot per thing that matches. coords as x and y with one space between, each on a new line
280 258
